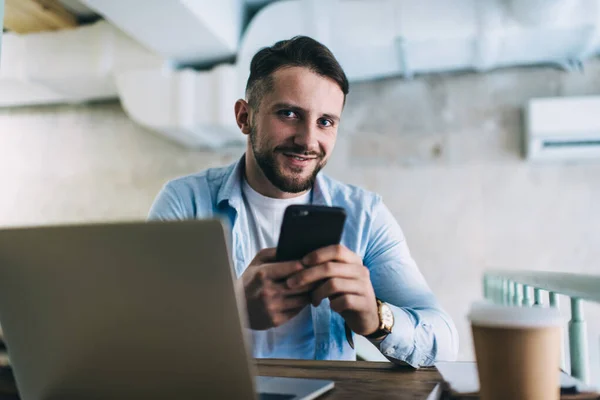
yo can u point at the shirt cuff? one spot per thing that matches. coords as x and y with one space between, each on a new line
401 345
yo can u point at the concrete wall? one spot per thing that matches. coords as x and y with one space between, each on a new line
444 151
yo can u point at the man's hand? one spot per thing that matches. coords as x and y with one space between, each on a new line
341 277
270 302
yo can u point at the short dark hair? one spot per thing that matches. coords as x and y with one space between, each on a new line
299 51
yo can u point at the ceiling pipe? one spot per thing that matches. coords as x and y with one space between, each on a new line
370 38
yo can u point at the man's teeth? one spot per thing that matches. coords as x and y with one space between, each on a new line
297 157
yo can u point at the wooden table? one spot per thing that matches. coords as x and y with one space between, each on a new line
353 379
358 379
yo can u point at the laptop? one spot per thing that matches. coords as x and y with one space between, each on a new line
130 310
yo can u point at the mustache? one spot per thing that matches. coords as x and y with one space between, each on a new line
300 150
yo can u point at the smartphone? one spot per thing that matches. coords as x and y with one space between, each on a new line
306 228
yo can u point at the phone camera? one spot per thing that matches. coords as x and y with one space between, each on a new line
301 213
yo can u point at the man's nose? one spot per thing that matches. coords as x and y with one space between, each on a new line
307 137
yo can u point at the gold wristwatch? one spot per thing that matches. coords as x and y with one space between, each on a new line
386 321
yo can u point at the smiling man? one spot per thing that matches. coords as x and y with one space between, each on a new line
369 284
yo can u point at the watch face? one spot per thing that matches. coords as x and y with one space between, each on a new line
387 317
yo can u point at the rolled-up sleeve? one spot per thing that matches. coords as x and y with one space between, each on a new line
423 333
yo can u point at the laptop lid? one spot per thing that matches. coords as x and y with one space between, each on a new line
124 310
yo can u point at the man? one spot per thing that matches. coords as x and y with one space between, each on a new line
311 308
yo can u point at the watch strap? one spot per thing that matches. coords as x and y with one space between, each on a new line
378 334
349 337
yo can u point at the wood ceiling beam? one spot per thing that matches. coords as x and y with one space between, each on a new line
28 16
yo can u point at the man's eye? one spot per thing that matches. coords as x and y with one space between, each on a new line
325 122
287 113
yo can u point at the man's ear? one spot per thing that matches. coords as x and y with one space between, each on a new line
242 116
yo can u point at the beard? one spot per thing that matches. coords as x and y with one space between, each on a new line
267 161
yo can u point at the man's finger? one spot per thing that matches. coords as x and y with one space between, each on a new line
301 289
338 252
265 256
289 303
336 287
281 270
346 302
323 271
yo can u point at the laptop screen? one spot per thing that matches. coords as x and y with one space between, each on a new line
275 396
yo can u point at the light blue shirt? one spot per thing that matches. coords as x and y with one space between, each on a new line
422 334
295 338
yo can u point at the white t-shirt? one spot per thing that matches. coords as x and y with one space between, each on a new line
295 338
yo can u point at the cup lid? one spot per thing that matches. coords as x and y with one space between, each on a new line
493 315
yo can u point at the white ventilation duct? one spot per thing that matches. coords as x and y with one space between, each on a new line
99 62
371 38
67 66
192 108
185 31
539 12
377 38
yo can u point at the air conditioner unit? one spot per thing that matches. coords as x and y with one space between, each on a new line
563 129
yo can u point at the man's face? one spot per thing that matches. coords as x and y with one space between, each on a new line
294 131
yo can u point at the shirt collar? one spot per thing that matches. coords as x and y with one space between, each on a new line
231 190
321 191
